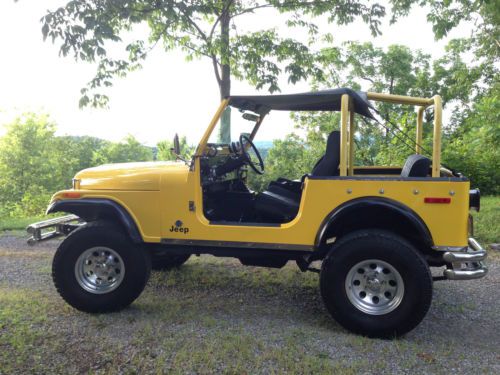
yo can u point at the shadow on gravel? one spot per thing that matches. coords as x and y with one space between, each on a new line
225 290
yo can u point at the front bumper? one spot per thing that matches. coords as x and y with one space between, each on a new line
52 228
466 265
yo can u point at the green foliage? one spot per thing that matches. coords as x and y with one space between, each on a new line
127 151
287 158
34 163
470 140
26 162
484 14
395 70
473 148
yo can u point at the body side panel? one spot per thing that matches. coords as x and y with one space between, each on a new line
447 223
158 213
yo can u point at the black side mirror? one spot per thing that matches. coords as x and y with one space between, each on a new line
177 148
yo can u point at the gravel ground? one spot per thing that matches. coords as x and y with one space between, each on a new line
215 316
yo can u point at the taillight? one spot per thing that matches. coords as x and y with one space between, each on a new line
474 199
444 200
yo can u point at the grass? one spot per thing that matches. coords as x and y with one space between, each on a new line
204 322
212 316
14 223
487 221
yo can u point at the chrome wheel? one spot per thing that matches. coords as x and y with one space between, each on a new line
374 287
99 270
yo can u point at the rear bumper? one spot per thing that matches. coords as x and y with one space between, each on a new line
466 265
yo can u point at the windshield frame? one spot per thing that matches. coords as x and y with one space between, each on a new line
213 124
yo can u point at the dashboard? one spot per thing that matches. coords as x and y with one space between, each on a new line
222 162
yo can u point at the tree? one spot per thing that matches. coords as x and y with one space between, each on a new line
26 164
395 70
287 158
208 29
130 150
484 15
34 163
473 148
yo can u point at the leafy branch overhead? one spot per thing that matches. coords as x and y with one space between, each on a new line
210 29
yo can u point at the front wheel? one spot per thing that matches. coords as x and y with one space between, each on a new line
376 283
97 269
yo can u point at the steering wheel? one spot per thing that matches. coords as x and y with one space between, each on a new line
258 167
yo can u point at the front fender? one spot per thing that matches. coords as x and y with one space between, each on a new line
91 209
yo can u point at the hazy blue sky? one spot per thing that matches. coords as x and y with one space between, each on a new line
168 95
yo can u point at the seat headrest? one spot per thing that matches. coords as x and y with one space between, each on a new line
328 165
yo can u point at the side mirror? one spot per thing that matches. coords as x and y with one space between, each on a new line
177 148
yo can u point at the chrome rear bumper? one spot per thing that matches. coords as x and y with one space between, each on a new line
466 265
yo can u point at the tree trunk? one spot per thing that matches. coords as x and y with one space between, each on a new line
225 78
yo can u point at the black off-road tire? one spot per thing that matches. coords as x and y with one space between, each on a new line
392 249
136 261
167 262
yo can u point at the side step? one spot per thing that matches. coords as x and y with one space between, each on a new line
52 228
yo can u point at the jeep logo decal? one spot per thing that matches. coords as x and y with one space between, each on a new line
177 227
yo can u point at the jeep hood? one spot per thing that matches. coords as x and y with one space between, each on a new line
145 176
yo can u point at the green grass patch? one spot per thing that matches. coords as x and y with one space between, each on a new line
487 221
18 223
22 313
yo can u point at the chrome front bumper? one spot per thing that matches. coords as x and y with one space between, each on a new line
52 228
466 265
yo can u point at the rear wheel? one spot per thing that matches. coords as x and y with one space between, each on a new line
97 268
376 283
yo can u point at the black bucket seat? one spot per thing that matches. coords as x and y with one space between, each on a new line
280 202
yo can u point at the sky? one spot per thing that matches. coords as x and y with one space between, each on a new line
168 95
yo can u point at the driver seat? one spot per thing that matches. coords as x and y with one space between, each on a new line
281 204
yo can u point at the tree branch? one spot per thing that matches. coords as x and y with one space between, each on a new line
222 13
215 64
368 79
250 10
194 24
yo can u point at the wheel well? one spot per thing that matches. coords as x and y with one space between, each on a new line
375 213
100 209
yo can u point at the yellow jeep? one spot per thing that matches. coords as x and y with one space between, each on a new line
376 230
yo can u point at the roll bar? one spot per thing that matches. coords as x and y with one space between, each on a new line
347 127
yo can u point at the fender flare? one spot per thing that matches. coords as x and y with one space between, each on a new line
94 208
347 208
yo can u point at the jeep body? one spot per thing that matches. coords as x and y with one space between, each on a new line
203 206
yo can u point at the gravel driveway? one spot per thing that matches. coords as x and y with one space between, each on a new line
216 316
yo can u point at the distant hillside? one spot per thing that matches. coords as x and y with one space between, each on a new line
264 144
